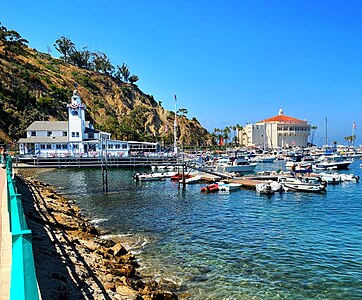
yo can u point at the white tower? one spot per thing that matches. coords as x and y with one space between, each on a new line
76 123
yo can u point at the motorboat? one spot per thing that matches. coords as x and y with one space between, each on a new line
305 184
264 158
330 178
333 161
192 179
235 165
178 176
211 188
148 177
227 187
349 177
264 188
268 187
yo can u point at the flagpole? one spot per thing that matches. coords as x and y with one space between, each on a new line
175 130
353 128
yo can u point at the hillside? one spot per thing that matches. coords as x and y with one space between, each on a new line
36 86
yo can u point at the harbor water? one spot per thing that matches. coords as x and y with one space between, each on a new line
236 245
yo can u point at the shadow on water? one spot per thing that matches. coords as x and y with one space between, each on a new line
56 272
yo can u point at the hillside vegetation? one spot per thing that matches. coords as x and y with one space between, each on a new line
36 86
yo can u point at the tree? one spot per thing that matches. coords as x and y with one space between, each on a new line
350 139
65 46
102 63
14 43
123 72
182 112
81 59
133 79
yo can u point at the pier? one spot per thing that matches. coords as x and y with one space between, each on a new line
92 162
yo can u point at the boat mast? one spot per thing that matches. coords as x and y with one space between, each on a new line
326 135
175 130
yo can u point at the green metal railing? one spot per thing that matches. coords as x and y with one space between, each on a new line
23 284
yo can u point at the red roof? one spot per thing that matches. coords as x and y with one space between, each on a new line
283 119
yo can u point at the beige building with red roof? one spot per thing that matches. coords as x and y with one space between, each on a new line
278 131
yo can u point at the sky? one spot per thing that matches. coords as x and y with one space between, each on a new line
229 62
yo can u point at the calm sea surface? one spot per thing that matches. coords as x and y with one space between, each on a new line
231 246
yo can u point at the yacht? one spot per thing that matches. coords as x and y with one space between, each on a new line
333 161
235 165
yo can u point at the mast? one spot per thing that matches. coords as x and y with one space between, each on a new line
175 130
326 135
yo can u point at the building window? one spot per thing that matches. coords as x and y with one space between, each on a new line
124 146
65 133
73 134
91 135
77 134
75 146
49 146
33 133
118 146
49 133
42 146
58 146
110 146
64 146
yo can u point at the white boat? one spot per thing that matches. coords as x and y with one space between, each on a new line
237 165
268 187
193 179
264 159
227 187
264 188
349 177
333 161
330 178
307 184
148 177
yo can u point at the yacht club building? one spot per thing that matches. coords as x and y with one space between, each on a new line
278 131
75 137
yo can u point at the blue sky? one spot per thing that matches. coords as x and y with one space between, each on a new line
228 61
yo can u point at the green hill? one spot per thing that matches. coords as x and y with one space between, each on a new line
36 86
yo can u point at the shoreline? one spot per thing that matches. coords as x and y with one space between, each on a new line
72 261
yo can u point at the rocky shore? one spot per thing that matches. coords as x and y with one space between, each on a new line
71 261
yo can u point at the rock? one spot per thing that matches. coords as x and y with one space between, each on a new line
119 250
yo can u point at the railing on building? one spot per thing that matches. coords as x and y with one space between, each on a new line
23 283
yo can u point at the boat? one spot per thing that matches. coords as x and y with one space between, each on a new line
349 177
148 177
227 187
236 165
305 184
268 187
211 188
333 161
264 158
192 179
264 188
178 177
330 178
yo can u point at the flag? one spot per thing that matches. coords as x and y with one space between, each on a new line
175 98
221 141
354 125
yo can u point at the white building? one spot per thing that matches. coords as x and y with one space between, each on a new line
278 131
75 137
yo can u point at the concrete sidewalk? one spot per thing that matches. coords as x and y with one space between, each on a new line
5 240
